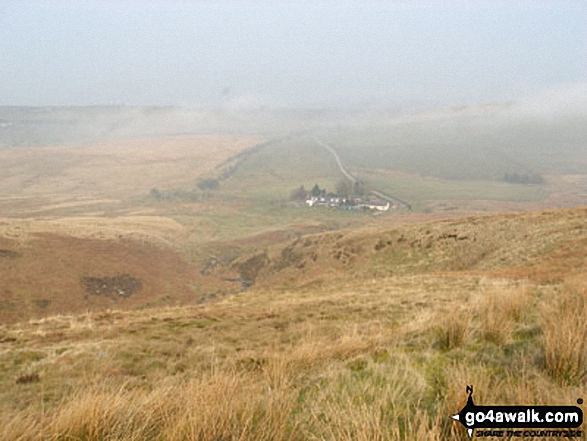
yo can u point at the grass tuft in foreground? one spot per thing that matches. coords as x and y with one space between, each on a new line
564 325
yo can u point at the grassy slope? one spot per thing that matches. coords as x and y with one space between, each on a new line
467 146
44 276
274 172
343 338
426 192
113 170
464 155
544 246
68 214
91 234
377 343
252 201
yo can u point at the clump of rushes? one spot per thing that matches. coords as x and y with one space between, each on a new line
565 334
499 309
452 329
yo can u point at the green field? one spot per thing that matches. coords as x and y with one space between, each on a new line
255 199
451 154
466 147
421 191
272 174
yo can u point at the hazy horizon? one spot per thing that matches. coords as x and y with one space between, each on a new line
243 55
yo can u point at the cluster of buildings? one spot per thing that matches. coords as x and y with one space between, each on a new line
352 204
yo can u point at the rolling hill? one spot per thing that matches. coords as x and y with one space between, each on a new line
541 246
356 334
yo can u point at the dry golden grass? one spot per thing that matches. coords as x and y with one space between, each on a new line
500 308
113 170
352 356
260 367
452 329
44 274
542 247
153 229
564 325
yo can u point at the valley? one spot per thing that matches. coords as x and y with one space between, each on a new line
175 269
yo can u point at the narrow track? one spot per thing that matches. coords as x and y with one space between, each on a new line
347 174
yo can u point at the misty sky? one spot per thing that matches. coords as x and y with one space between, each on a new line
320 54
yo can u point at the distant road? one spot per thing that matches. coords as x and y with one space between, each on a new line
390 198
343 170
347 174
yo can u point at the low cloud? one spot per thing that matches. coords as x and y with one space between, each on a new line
562 101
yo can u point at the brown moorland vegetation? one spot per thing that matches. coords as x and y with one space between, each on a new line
55 274
41 180
545 246
73 238
353 345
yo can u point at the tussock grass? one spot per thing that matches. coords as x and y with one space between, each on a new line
360 358
563 323
223 406
500 308
317 388
452 329
365 401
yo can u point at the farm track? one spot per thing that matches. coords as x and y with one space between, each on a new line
347 174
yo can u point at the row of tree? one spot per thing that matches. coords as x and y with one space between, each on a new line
344 189
524 178
205 186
